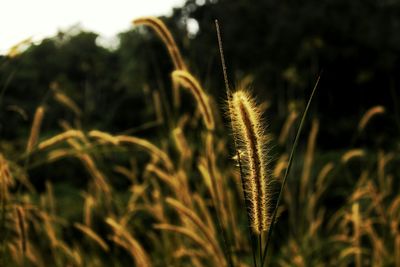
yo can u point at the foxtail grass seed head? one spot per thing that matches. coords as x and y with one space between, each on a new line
369 115
35 130
352 153
159 27
252 142
60 138
185 79
104 137
68 103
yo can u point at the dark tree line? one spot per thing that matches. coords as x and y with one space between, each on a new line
283 45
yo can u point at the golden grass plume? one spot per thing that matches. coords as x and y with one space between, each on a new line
252 144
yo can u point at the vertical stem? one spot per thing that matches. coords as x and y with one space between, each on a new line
260 248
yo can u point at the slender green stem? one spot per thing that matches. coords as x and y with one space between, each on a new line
271 227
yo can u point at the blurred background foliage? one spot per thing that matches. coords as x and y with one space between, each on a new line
280 45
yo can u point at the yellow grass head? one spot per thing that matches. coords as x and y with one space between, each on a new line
252 142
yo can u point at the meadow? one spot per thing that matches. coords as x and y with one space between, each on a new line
204 192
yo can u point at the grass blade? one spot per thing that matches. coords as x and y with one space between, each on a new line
271 227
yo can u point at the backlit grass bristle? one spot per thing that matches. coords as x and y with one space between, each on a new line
185 79
159 27
251 140
35 130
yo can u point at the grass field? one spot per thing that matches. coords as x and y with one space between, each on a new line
202 193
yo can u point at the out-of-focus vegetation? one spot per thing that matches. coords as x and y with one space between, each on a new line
106 159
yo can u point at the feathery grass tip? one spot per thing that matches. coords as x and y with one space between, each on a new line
251 141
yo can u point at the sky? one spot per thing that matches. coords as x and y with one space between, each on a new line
36 19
